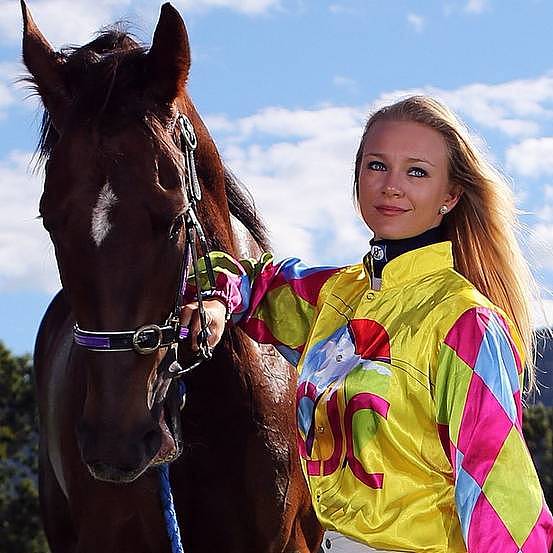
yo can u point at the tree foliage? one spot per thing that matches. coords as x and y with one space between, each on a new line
538 431
20 527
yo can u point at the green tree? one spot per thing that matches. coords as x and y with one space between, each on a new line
538 431
20 526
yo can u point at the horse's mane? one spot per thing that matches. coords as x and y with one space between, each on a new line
115 53
242 206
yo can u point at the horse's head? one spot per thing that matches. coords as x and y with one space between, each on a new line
111 203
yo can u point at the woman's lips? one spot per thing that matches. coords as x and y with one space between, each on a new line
389 211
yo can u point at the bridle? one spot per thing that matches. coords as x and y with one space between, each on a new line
149 338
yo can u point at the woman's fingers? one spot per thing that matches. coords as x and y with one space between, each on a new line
186 313
215 312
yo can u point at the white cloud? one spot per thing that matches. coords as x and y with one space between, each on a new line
416 21
61 21
300 123
10 20
544 203
26 254
341 8
515 108
76 21
532 157
477 6
543 313
302 180
345 83
14 93
218 123
540 241
545 213
7 95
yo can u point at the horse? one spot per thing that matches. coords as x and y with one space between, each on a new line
111 139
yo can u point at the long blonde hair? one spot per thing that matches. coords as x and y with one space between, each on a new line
483 224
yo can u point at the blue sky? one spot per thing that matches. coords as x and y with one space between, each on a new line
285 87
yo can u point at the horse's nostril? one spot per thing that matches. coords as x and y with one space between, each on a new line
152 442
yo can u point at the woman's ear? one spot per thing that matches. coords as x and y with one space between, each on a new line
453 196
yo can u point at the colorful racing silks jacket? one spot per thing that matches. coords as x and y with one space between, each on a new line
408 400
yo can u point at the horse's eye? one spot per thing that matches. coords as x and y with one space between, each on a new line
176 228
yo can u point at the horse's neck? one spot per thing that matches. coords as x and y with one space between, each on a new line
245 245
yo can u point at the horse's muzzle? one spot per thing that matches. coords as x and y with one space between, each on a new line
122 457
116 456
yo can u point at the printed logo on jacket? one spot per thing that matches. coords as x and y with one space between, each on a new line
344 377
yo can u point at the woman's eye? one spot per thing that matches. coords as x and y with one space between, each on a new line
376 166
417 172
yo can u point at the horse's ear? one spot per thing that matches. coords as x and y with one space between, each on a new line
45 66
168 60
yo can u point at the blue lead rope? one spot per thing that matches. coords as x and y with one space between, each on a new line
169 514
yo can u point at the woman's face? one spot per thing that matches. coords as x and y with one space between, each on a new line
403 180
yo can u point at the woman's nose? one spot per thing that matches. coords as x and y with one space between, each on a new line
392 186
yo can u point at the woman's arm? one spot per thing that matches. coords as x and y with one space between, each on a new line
478 402
275 303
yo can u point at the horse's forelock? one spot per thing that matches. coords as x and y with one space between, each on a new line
110 40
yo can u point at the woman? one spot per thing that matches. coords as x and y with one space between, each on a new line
410 364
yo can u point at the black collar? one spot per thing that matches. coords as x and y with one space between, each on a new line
384 250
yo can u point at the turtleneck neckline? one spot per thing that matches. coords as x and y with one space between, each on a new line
384 250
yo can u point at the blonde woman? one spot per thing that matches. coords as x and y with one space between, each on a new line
410 364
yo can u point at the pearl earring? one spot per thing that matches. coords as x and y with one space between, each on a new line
443 210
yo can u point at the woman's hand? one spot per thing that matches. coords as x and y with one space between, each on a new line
215 312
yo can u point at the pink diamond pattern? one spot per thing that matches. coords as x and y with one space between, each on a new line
466 335
484 428
487 533
541 536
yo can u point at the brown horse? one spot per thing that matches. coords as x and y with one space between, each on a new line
111 202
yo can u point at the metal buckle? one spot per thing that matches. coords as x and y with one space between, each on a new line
138 337
187 130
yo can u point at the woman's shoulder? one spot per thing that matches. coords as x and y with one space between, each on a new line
462 306
465 292
473 311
